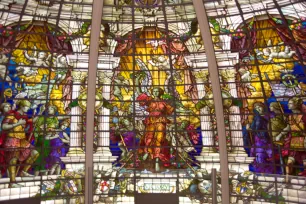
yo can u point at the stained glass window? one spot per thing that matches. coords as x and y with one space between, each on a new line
266 42
113 101
44 57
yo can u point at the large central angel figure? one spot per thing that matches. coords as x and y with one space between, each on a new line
158 116
155 126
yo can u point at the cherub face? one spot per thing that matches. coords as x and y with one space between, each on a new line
266 51
161 58
63 60
41 55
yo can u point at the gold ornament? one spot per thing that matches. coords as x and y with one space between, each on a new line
82 100
227 102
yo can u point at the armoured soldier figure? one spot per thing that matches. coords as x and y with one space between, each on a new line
18 129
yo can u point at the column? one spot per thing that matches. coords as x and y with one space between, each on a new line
76 119
206 123
237 157
208 158
75 158
229 77
103 157
104 116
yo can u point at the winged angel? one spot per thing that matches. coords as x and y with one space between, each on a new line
274 52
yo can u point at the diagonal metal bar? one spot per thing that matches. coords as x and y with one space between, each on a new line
91 92
217 97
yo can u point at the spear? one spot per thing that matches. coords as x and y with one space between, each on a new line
278 146
187 163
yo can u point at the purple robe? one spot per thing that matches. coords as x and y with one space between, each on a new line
262 145
58 150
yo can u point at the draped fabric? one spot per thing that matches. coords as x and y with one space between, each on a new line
8 43
179 48
55 45
244 45
295 44
176 47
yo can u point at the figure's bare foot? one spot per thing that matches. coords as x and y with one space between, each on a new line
25 174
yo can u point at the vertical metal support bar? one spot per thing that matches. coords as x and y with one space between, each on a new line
214 185
91 92
217 97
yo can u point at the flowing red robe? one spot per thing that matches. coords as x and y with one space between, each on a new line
155 132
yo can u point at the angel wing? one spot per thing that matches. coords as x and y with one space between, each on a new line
147 81
21 95
139 111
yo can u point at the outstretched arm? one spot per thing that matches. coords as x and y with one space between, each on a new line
9 125
57 60
51 136
58 57
49 57
35 51
28 57
153 63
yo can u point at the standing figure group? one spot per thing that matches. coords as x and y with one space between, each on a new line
25 141
277 139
